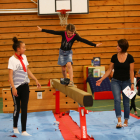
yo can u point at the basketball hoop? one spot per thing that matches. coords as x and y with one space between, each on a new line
63 16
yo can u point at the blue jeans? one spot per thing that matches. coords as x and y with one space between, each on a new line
117 86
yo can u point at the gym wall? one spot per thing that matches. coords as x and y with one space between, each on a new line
107 22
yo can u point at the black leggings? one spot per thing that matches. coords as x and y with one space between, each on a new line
23 96
133 103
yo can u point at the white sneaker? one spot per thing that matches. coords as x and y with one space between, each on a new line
71 84
25 134
15 130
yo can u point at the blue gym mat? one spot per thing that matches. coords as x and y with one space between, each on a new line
105 85
39 124
102 126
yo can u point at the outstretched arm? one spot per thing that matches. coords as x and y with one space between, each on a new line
98 83
50 31
87 42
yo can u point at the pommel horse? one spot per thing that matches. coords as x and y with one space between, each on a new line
83 98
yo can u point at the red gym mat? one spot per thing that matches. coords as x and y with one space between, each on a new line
69 129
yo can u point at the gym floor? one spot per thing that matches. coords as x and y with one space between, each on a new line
99 105
108 105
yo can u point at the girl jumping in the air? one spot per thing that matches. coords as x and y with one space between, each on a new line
65 52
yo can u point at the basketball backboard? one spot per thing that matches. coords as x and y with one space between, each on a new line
50 7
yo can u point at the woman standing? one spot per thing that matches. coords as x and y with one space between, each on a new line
18 77
123 65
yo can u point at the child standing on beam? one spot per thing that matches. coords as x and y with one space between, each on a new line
65 52
18 77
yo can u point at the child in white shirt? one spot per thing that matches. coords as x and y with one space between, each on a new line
18 77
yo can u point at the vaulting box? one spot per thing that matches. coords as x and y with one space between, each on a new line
39 100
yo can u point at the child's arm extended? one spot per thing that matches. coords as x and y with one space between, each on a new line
50 31
33 77
87 42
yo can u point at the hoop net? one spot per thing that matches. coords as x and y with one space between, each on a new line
63 16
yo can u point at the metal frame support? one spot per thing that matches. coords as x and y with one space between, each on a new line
57 102
82 114
57 98
83 126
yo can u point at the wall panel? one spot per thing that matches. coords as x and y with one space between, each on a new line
107 22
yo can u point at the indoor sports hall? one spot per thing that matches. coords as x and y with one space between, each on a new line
70 69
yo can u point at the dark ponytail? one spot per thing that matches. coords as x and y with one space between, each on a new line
16 43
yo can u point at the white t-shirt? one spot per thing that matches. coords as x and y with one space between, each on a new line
19 75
